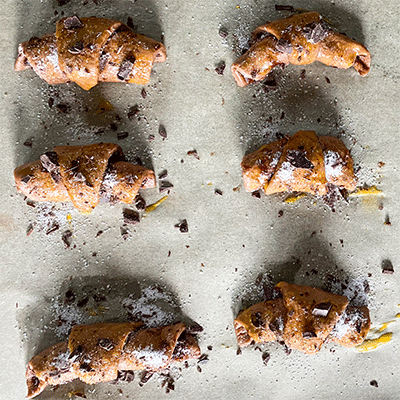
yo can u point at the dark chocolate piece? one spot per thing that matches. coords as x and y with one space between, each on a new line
298 159
49 161
220 68
76 48
73 22
125 376
266 357
309 335
322 309
257 320
140 203
131 216
126 67
122 135
183 226
162 131
105 344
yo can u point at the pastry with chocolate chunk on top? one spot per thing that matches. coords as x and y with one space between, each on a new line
91 50
301 163
104 352
303 318
300 39
84 175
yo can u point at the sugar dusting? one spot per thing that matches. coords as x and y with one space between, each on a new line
152 358
333 164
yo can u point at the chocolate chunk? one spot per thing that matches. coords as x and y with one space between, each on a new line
76 48
76 353
256 194
193 329
122 135
133 111
129 23
374 383
83 302
284 46
163 175
322 309
302 74
145 377
72 23
143 93
183 226
28 143
140 203
298 159
162 131
193 153
220 68
327 80
26 178
69 297
103 60
99 233
131 216
238 351
86 367
170 384
198 368
387 267
64 108
124 233
126 67
165 186
223 32
105 344
30 229
53 228
203 359
309 335
49 161
125 376
66 236
266 357
315 32
257 320
284 8
218 192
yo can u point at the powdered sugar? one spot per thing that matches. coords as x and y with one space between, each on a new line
153 359
285 172
333 164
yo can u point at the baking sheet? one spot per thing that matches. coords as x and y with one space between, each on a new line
232 238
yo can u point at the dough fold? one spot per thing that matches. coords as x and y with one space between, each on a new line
303 318
91 50
98 353
300 39
83 175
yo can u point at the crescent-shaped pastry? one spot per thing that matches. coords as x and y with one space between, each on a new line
91 50
300 39
302 163
303 318
100 352
83 175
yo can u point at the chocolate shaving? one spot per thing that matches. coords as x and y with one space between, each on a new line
374 383
131 216
126 67
193 329
163 175
73 22
220 68
125 376
76 48
203 359
133 111
53 228
322 309
103 60
309 335
28 143
193 153
256 194
140 203
66 236
265 358
76 353
105 344
284 46
143 93
257 320
165 186
183 226
218 192
145 377
223 32
298 159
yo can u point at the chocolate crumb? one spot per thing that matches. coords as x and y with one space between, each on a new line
256 194
287 349
73 22
69 297
162 131
124 233
198 368
282 115
122 135
220 68
151 138
77 48
143 93
223 32
298 159
387 267
239 351
125 376
194 154
257 320
64 108
280 213
138 161
131 216
309 335
129 23
133 111
99 233
387 220
83 302
165 186
53 228
366 287
284 8
218 192
321 309
29 230
374 383
126 67
66 238
302 74
113 126
140 203
209 348
327 80
62 2
105 344
28 143
203 359
265 358
145 377
193 329
183 226
163 174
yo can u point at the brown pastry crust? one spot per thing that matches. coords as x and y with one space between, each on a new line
89 50
82 175
302 163
96 353
300 39
304 319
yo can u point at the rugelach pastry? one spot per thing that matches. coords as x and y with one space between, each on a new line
84 175
300 39
301 163
91 50
103 352
303 318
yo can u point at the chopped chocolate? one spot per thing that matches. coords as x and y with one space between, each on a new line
223 32
309 335
143 93
282 115
69 297
76 48
322 309
162 131
145 377
125 376
126 67
151 138
124 233
256 194
129 23
220 68
29 230
374 383
280 213
209 348
99 233
238 351
28 143
133 111
72 23
170 384
284 8
26 178
193 329
284 46
53 228
131 216
183 226
62 2
193 153
203 359
218 192
64 108
315 32
265 358
103 60
198 368
298 159
257 320
66 238
140 203
85 367
163 174
327 80
366 287
122 135
76 353
83 302
49 161
302 74
105 344
165 186
387 267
